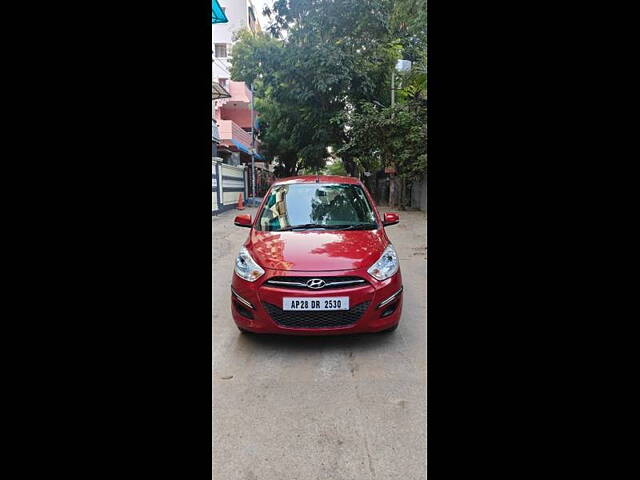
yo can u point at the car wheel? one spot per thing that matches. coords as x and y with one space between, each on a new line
392 329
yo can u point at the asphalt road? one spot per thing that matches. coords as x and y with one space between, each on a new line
320 408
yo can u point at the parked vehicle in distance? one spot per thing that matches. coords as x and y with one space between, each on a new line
317 261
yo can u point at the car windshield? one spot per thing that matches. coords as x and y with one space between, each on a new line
308 206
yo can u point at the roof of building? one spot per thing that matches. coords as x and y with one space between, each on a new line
319 178
218 91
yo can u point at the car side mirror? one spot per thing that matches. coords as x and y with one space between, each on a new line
243 221
390 219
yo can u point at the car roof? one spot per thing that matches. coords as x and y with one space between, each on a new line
317 179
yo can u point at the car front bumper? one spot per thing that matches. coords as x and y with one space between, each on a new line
249 299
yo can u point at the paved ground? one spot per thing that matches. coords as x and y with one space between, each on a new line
320 408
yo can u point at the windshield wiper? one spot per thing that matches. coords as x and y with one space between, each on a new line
361 226
307 226
296 227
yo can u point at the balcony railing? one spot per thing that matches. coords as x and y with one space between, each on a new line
229 130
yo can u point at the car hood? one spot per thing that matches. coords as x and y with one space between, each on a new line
315 250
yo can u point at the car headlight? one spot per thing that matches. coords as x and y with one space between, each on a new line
246 267
386 266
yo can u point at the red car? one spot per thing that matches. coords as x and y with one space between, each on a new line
317 261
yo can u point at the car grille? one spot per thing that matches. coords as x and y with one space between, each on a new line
300 283
321 319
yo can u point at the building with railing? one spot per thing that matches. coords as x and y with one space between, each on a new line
235 123
233 115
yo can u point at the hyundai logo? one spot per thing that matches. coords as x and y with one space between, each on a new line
316 283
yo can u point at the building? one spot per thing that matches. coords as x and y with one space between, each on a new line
242 15
217 93
232 115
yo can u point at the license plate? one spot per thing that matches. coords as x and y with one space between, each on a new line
313 304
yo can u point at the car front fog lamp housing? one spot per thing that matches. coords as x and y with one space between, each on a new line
242 300
390 299
386 266
246 267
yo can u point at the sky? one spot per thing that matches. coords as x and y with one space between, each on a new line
259 4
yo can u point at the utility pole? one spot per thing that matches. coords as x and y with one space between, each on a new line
253 160
393 90
400 66
392 180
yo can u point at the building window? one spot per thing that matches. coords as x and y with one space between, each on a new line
221 50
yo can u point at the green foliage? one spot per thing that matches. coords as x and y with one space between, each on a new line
326 74
408 24
414 87
389 136
335 168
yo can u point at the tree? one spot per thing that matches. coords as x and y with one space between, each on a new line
321 76
390 137
333 57
408 24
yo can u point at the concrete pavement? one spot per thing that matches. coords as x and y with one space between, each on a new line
320 408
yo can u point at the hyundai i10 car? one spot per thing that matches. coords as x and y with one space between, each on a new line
317 261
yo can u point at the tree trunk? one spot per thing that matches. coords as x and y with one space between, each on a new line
349 166
403 194
370 183
291 166
394 191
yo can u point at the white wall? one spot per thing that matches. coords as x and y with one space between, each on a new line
235 10
237 13
419 194
220 69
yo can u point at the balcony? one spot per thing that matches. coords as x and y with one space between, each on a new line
229 130
240 95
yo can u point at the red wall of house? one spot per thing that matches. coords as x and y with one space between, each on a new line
240 116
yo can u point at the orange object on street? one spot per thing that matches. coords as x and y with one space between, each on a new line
240 203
